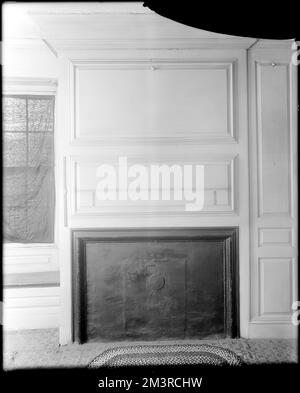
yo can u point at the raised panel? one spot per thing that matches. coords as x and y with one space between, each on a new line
219 179
273 111
146 100
274 237
276 286
36 279
29 259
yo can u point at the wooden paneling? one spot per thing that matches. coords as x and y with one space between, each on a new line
29 258
219 186
222 147
31 308
275 236
275 285
273 191
152 284
34 279
153 100
273 102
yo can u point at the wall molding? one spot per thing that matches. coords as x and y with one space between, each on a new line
18 85
68 45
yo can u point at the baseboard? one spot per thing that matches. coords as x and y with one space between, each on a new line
31 308
272 330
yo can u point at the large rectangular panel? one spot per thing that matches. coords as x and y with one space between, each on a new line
219 186
149 99
273 111
276 284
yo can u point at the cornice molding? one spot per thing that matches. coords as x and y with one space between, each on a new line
150 44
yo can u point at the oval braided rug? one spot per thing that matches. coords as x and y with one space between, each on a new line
170 354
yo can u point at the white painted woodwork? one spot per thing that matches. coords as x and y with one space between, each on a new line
273 191
219 181
219 142
273 138
275 276
275 236
29 258
153 98
31 308
90 26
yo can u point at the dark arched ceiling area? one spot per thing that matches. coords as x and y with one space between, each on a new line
255 19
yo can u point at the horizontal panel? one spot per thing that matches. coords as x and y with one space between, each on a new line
274 237
22 260
30 302
27 259
152 195
274 170
9 293
28 312
32 279
144 100
275 286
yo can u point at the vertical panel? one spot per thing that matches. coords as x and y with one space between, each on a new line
273 190
273 139
275 285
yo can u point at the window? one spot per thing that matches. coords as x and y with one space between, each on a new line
28 173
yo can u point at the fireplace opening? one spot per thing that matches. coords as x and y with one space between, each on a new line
153 284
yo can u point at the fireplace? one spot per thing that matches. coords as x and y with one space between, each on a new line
151 284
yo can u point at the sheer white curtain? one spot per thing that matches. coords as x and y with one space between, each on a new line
28 173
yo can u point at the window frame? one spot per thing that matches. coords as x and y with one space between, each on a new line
36 87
